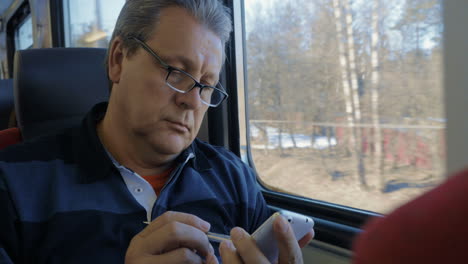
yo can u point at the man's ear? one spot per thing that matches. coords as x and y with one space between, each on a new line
115 60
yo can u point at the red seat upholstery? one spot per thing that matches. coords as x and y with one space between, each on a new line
430 229
9 137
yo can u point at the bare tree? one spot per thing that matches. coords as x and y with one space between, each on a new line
375 97
346 89
355 94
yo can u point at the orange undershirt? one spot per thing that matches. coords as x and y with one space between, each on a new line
157 181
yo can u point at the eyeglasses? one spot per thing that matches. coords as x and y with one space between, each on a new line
182 82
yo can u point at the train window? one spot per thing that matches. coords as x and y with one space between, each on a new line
345 99
24 34
89 23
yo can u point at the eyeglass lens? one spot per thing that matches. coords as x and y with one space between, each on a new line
181 82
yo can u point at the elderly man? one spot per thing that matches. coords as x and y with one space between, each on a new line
132 182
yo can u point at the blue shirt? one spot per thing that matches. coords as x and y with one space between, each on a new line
63 200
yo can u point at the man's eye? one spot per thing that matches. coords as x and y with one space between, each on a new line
176 77
208 83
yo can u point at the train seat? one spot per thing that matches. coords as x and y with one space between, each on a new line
54 88
6 102
9 137
430 229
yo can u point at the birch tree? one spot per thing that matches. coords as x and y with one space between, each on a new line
375 98
353 144
355 94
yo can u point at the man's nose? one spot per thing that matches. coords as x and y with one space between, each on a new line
189 100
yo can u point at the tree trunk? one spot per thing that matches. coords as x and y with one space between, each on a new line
280 139
346 88
355 94
379 181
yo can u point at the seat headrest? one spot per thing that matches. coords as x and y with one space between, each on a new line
55 88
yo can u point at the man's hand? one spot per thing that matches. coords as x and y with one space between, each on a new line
171 238
244 250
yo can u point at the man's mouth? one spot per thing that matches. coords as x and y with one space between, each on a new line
179 126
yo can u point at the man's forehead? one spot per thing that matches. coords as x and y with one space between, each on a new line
179 24
179 37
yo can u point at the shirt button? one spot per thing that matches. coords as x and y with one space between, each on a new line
138 190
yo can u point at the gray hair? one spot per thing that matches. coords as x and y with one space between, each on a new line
138 18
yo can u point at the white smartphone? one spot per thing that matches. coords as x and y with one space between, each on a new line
264 235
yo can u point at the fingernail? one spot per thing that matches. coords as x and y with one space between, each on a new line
226 244
236 233
222 246
205 226
283 225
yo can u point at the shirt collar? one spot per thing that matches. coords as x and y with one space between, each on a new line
91 154
200 162
96 164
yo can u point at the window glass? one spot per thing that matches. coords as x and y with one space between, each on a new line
89 23
23 35
345 98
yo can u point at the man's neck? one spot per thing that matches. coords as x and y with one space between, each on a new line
131 153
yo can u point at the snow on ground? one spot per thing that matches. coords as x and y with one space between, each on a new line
301 140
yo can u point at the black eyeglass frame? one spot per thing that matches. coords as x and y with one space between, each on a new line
170 68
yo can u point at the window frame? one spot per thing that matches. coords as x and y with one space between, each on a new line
337 224
334 224
57 22
20 12
455 41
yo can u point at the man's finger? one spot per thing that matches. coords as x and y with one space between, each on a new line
228 253
289 251
180 255
306 238
171 216
176 235
211 259
246 247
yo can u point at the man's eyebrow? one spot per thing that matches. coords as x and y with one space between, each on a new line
188 65
186 62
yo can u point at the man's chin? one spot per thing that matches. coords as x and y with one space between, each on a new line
170 146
